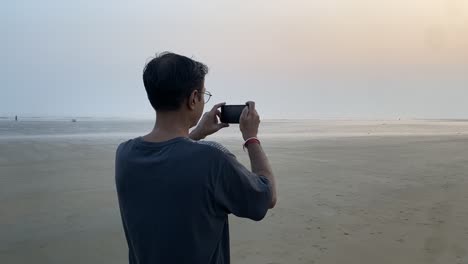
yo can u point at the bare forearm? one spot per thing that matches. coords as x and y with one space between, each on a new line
196 135
259 160
261 166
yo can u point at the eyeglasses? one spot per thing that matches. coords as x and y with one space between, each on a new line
207 96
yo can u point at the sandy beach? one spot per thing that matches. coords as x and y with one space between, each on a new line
348 192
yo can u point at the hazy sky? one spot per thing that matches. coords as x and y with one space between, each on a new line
297 59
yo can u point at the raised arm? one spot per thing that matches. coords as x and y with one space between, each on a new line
249 123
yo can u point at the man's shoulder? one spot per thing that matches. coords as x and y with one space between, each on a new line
213 146
124 147
202 148
126 143
205 146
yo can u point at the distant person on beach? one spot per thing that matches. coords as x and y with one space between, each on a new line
176 191
16 118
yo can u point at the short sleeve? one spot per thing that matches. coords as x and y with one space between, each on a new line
241 192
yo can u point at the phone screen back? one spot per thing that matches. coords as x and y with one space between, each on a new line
231 113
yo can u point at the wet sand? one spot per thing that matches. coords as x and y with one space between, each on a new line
366 192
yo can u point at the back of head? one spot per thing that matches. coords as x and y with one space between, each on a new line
170 78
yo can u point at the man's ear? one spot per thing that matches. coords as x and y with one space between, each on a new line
192 100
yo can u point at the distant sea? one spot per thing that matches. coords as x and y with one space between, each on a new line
31 127
88 127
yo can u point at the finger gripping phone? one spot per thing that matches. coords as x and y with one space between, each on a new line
231 113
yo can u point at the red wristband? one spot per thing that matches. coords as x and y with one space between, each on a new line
251 140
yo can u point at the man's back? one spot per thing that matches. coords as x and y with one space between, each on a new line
175 196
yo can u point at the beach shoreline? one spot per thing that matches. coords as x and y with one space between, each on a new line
363 199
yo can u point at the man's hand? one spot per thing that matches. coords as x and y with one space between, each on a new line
209 124
249 121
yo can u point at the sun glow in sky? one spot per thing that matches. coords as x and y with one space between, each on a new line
318 59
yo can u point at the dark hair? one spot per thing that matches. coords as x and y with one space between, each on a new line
170 78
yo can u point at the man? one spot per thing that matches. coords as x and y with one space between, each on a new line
175 192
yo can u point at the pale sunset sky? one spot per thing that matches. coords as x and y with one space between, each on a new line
297 59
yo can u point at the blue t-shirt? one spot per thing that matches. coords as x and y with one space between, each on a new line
175 197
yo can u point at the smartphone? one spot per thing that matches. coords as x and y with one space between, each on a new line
231 113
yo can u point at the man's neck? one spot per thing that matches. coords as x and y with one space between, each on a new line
168 126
